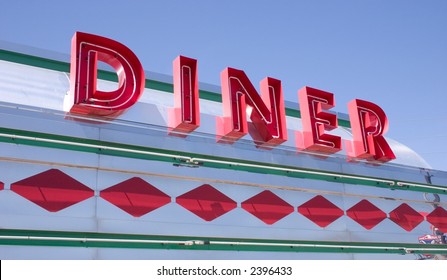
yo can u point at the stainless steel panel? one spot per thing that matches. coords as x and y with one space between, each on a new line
31 100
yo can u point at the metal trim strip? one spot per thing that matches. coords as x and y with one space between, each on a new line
31 138
109 76
18 237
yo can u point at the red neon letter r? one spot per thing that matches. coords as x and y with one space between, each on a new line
368 123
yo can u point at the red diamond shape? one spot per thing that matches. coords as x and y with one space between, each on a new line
2 186
206 202
52 190
366 214
320 211
135 196
406 217
268 207
438 218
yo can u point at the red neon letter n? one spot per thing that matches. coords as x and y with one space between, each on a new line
267 112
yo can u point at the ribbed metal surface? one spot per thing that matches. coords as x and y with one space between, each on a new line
32 99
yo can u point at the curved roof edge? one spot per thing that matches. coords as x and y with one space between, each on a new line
405 155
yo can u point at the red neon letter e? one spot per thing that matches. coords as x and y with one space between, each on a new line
185 116
315 122
267 112
368 123
84 98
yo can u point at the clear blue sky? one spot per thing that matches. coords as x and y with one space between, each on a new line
392 53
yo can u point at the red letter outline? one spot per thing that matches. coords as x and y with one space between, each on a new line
267 112
185 116
315 122
368 123
84 98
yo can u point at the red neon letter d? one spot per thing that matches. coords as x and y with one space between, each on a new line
84 98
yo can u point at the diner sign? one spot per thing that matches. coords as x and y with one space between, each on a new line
240 100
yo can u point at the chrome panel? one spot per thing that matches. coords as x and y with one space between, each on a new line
32 100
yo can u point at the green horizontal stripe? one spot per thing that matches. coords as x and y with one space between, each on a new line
39 139
110 76
131 241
